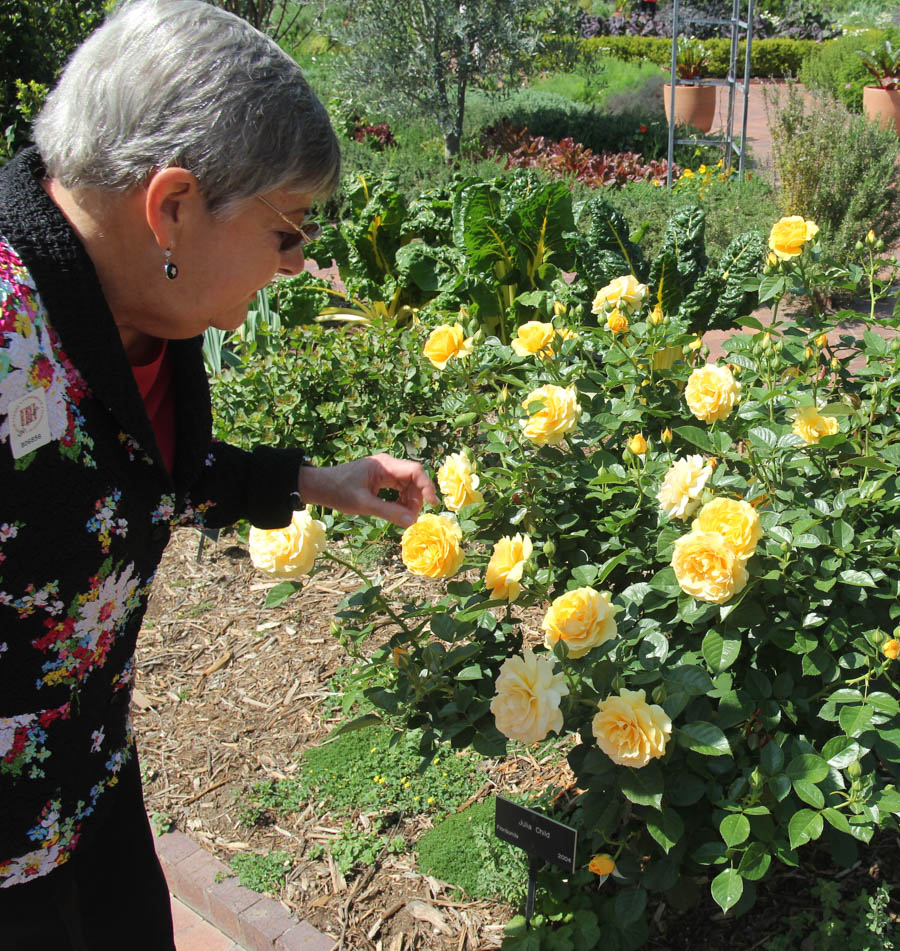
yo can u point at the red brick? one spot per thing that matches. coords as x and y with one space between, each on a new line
191 879
227 902
262 923
173 847
303 937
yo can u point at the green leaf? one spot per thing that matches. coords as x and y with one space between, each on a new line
805 825
360 723
696 436
704 738
643 786
734 829
780 786
883 702
855 719
727 888
666 827
281 592
720 652
755 862
860 578
807 766
841 751
771 758
771 286
630 904
809 793
838 820
763 437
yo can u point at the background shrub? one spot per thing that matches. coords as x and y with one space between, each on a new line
836 168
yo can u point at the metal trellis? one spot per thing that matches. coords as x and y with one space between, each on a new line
736 25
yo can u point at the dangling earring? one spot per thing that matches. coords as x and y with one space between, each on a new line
171 270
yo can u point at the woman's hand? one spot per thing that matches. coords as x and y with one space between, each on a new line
353 487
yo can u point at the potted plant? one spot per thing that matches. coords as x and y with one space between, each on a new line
881 103
695 104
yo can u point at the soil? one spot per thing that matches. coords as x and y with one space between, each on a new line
230 692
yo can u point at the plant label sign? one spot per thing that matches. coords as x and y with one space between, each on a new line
539 836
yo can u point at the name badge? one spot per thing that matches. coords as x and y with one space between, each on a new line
29 423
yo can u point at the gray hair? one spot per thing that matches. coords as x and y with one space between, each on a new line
183 83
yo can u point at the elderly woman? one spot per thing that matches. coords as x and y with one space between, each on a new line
176 164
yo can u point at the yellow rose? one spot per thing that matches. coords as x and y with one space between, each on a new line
811 427
679 494
602 864
526 703
788 236
534 338
549 425
566 334
582 618
822 340
708 568
617 322
446 342
288 552
504 570
666 435
735 520
631 731
431 546
711 392
624 293
458 482
637 444
891 649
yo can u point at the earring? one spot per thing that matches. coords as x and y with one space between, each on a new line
170 269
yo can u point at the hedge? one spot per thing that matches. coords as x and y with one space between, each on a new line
768 58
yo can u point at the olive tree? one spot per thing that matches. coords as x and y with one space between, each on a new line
425 55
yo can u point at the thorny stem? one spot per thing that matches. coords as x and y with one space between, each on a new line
366 580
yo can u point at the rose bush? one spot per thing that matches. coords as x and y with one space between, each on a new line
720 607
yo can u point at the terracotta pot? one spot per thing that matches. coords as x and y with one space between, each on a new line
883 106
694 105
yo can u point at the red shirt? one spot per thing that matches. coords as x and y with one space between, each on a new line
154 381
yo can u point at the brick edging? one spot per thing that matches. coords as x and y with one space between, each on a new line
255 921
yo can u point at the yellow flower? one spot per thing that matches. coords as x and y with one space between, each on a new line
735 520
788 236
526 703
431 546
822 340
629 730
679 494
507 563
566 334
582 618
656 316
687 173
458 482
711 392
602 864
772 259
534 338
811 427
696 343
288 552
870 237
891 649
617 322
666 435
637 444
625 293
707 567
558 416
445 343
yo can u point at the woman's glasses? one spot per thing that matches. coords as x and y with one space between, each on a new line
304 234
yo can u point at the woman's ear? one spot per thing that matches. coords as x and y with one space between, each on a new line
172 198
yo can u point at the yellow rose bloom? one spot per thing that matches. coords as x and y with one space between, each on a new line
446 342
708 568
617 322
811 427
625 293
631 731
666 435
582 618
735 520
534 337
566 334
558 417
822 340
431 546
526 702
507 563
712 392
891 649
679 494
789 235
637 444
458 482
288 552
602 864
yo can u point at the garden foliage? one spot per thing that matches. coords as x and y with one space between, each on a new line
689 568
